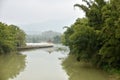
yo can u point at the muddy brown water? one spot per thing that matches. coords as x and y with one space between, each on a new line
44 64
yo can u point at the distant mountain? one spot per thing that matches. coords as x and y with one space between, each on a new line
51 33
44 37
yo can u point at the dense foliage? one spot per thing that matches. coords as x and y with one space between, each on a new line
11 37
96 38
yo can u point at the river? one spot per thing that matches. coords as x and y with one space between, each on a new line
45 64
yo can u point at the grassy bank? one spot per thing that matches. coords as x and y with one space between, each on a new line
85 71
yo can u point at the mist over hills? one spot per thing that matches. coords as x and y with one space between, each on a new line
45 36
43 32
36 28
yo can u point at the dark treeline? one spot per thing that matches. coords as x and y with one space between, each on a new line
11 37
96 37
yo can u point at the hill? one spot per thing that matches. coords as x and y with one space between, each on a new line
45 36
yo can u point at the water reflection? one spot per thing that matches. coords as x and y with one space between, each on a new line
11 65
42 65
81 70
58 48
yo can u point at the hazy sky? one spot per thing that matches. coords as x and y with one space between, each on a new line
46 14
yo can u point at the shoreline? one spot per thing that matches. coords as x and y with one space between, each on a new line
33 47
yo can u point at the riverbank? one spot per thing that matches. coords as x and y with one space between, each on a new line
114 77
85 71
30 46
41 63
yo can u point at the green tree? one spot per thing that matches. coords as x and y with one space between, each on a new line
97 36
66 37
18 34
93 12
111 30
11 37
6 39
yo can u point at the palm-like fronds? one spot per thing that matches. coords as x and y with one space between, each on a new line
83 7
88 2
100 3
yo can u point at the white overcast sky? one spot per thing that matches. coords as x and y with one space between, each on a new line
26 12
